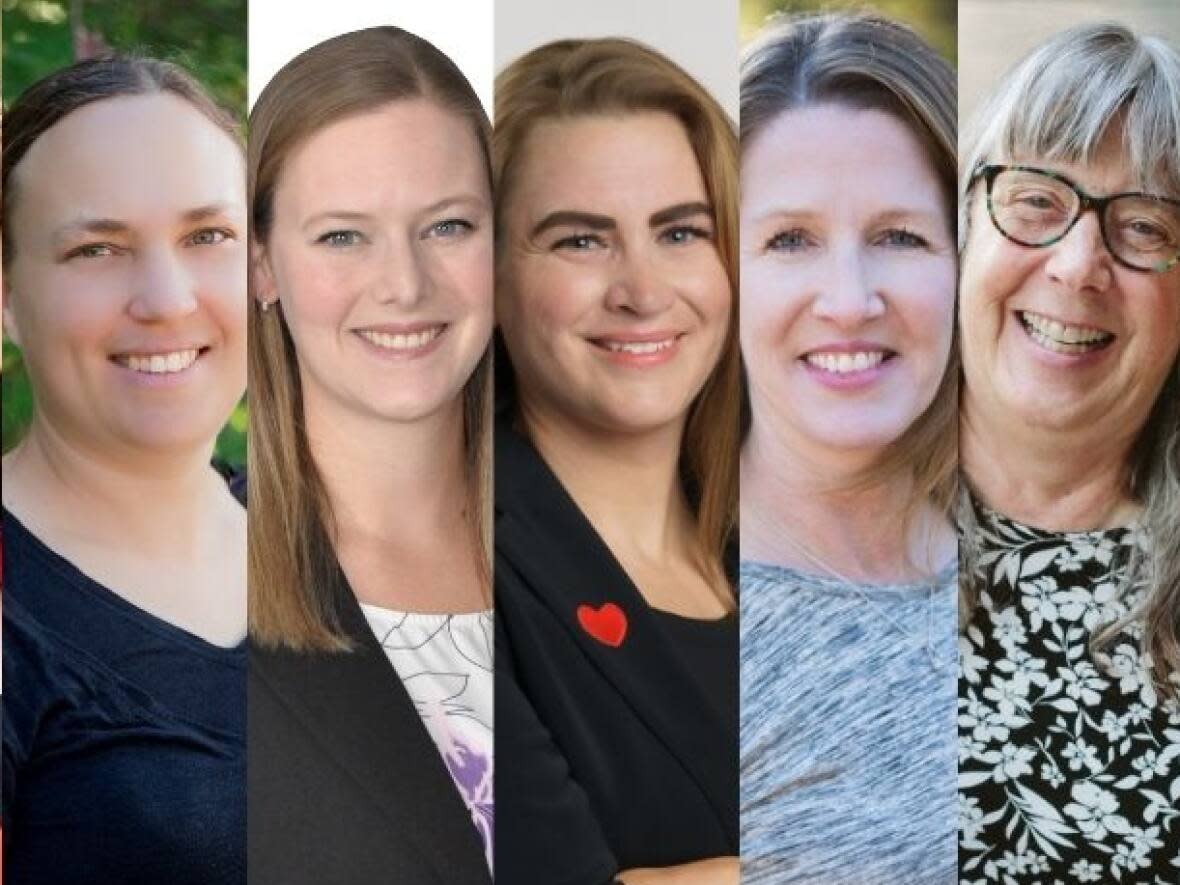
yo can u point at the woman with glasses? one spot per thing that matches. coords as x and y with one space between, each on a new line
1070 440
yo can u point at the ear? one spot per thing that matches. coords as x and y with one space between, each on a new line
262 278
11 328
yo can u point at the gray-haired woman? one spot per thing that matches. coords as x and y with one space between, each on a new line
1070 324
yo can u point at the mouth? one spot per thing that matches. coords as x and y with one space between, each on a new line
647 347
843 363
170 362
1059 337
403 342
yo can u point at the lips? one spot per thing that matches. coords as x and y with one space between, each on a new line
402 341
638 344
1061 337
847 358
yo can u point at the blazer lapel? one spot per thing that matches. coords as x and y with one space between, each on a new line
570 568
357 704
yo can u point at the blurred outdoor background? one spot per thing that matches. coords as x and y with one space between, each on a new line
933 19
208 37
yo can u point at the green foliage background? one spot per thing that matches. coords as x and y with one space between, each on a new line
208 37
936 20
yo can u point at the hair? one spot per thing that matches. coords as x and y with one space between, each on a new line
297 588
567 79
1059 103
866 62
52 98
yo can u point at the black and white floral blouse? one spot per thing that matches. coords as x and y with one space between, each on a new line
1069 771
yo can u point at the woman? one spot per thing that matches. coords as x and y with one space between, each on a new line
847 468
370 676
617 640
1068 723
125 552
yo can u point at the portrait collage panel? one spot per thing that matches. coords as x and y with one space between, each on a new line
590 444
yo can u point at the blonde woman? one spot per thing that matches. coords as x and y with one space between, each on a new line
370 681
616 672
849 560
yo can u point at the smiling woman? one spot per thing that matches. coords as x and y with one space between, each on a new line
616 672
1070 321
125 283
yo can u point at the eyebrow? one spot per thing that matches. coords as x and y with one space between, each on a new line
348 215
98 225
573 218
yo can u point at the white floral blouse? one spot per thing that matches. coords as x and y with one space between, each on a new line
1069 771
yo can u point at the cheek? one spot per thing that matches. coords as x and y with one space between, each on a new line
552 298
472 281
772 299
222 279
67 307
1159 317
926 308
316 293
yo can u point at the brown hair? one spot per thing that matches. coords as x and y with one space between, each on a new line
297 587
866 62
44 104
571 78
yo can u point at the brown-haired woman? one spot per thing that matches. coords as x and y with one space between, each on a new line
370 679
124 568
616 458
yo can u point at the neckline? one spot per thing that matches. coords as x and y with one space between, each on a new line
97 591
989 515
434 618
945 577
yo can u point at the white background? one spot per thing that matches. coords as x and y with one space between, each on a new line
281 29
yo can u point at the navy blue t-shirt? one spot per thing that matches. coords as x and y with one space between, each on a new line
124 736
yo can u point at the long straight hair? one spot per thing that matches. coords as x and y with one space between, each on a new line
575 78
297 588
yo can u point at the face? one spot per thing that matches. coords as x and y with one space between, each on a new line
1063 338
381 259
848 279
127 286
613 300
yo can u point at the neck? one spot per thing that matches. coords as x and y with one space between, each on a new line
389 480
627 484
159 499
810 508
1058 481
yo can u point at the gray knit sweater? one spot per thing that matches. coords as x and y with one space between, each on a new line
848 738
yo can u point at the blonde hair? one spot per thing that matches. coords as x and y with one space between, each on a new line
866 62
297 588
573 78
1058 104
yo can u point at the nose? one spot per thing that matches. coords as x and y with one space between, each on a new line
848 297
403 277
163 288
1080 260
639 286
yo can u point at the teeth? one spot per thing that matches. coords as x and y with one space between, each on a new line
1060 337
159 363
846 363
639 347
402 340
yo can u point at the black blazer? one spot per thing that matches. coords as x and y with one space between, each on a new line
609 755
345 784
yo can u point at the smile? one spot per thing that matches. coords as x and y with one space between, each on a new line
167 363
402 342
847 363
641 348
1062 337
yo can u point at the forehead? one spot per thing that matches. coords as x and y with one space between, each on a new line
829 155
410 152
608 164
131 158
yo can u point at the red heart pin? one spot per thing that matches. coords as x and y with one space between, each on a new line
607 623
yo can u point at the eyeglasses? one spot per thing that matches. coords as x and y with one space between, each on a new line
1036 207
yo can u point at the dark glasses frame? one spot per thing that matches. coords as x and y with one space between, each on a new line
990 172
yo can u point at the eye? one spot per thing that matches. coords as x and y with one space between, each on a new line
451 227
901 238
341 239
579 243
93 250
209 236
794 240
685 234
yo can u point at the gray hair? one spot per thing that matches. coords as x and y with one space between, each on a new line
1058 104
